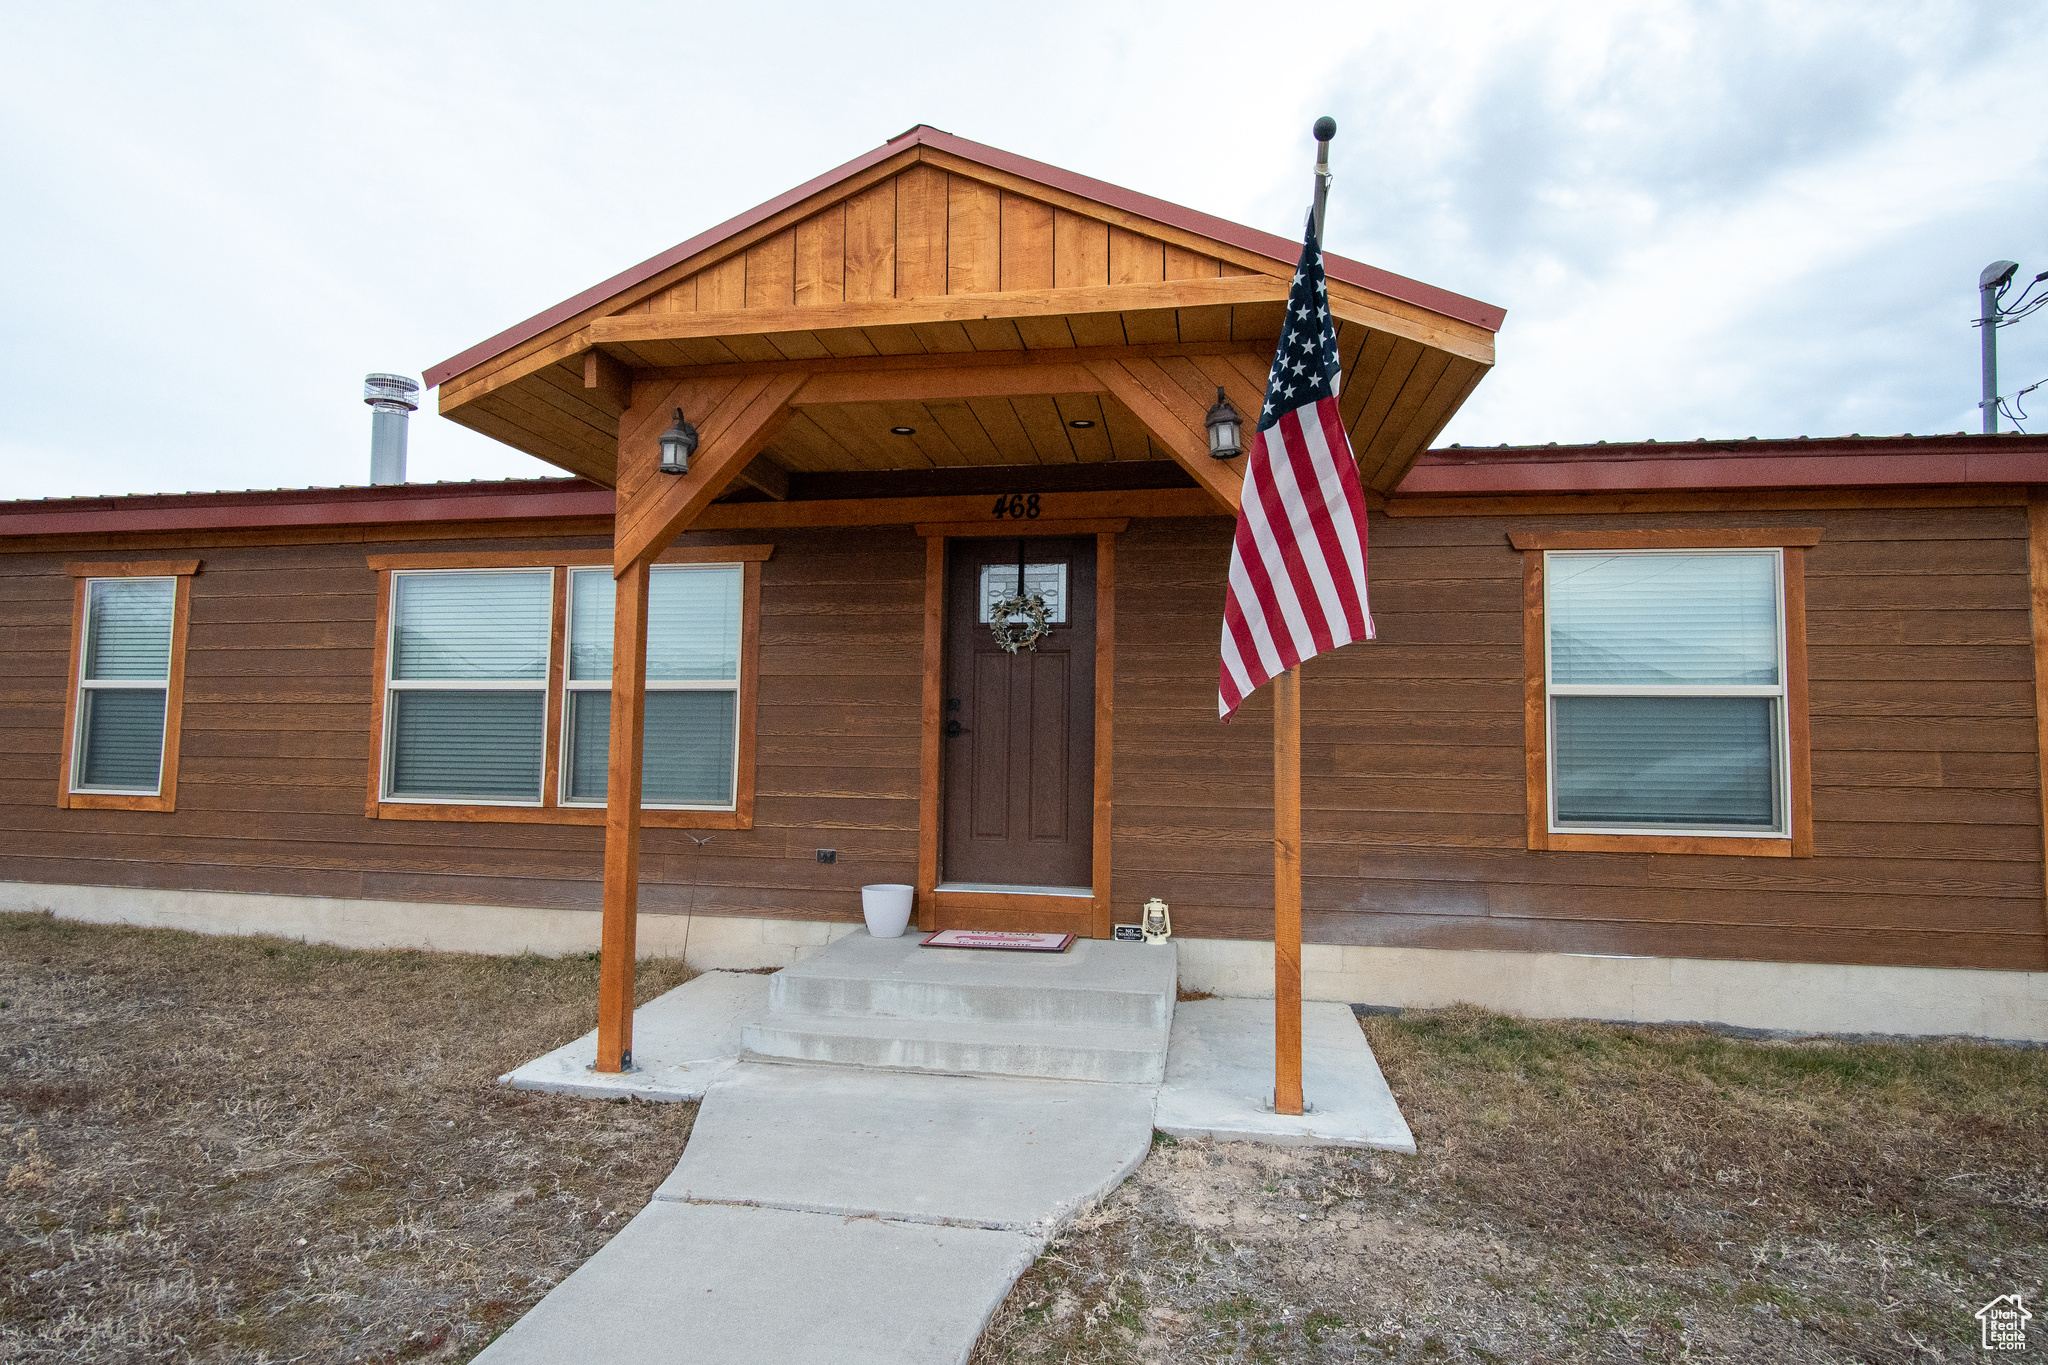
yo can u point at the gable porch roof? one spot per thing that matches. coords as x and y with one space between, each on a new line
911 288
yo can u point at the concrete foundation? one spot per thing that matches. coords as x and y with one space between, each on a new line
1791 996
1797 997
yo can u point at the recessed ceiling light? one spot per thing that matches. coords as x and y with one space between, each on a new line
1080 424
903 431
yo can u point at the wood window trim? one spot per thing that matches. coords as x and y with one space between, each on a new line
568 559
1793 542
81 574
550 811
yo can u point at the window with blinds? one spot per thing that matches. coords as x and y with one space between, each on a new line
468 694
465 710
124 686
691 745
1666 682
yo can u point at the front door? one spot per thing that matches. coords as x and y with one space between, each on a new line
1020 728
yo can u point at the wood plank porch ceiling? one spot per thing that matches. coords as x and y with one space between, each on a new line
987 313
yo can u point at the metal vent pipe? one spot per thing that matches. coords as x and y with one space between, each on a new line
391 401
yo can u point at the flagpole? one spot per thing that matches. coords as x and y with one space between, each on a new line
1326 128
1287 1097
1287 892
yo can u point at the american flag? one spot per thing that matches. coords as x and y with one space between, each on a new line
1297 567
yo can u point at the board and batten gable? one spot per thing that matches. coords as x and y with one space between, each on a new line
934 250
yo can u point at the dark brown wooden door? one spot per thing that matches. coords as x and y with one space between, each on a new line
1020 728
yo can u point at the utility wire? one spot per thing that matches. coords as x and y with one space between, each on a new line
2017 413
2004 315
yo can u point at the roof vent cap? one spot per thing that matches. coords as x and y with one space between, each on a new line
392 402
390 392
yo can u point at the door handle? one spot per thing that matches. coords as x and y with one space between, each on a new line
953 727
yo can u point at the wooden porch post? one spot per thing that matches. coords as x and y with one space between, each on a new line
622 821
1287 892
734 420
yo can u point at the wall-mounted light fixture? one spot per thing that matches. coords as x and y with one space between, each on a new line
677 445
1224 426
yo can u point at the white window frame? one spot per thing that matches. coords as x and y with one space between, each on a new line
1781 725
77 785
571 685
389 741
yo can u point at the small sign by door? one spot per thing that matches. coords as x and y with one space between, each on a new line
1049 581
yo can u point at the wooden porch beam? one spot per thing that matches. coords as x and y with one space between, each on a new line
962 508
1175 421
765 474
942 381
1260 349
607 383
627 328
654 507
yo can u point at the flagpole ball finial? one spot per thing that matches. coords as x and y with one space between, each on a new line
1326 128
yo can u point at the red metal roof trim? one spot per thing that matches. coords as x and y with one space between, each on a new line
1265 244
504 500
1828 462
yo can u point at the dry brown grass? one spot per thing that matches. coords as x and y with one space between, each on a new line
1583 1193
258 1150
255 1150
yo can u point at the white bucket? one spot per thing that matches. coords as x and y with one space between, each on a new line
887 908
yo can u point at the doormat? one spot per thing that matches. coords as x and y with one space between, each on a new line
996 938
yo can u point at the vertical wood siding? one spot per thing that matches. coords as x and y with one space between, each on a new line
925 232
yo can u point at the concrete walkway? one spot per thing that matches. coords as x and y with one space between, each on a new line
832 1209
850 1213
831 1214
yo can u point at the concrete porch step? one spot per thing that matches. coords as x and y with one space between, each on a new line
962 1047
1092 985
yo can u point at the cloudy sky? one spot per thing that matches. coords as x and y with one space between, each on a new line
1720 219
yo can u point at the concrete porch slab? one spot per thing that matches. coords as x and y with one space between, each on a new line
716 1282
682 1042
1219 1079
975 1151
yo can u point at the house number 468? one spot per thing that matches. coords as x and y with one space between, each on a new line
1017 507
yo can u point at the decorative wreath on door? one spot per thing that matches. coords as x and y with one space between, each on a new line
1019 622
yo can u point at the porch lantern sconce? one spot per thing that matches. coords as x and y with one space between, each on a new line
1224 427
677 444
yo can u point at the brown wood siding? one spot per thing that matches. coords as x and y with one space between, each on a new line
277 716
1926 804
1926 807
